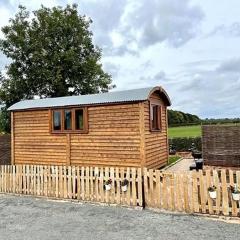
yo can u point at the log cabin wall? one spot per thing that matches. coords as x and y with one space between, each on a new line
113 138
156 143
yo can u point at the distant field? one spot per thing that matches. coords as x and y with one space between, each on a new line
186 131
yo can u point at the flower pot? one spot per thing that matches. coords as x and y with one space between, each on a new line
213 194
236 196
124 188
108 187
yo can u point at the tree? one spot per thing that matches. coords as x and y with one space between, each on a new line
52 55
177 118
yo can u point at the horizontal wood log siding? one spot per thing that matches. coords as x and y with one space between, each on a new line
113 138
156 150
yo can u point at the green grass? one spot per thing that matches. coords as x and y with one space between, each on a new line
173 159
186 131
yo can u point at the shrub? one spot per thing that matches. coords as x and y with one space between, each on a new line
185 144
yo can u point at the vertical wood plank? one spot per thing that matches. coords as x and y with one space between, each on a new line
101 184
123 194
45 173
172 202
133 183
118 191
225 203
91 184
61 187
74 196
78 183
164 192
96 174
238 185
14 178
106 179
83 183
233 203
112 192
128 190
49 181
57 181
179 193
69 182
140 187
150 193
146 193
65 191
142 134
209 184
195 192
87 184
203 191
158 196
186 197
12 139
217 184
68 149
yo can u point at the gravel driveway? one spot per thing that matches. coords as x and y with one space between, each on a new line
30 218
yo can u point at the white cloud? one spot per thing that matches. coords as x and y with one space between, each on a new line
232 30
163 42
151 22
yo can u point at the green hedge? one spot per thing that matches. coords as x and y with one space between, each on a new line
185 144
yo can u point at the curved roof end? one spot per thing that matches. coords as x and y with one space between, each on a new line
162 93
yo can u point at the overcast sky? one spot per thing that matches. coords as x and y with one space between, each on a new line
190 48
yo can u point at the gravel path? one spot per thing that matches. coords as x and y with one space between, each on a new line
30 218
182 165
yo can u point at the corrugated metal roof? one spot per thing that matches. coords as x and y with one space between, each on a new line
101 98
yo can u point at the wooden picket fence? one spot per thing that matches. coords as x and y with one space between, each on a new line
173 191
188 191
81 183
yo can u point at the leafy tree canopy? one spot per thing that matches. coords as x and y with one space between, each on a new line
177 118
52 54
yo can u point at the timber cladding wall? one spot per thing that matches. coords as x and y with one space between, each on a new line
113 138
221 145
156 146
5 149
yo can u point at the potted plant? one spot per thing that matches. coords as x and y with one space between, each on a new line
108 184
235 192
124 185
212 192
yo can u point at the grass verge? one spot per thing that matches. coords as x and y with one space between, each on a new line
173 159
186 131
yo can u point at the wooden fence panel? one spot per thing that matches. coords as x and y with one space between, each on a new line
188 191
82 183
178 191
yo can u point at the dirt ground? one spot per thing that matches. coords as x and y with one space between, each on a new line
29 218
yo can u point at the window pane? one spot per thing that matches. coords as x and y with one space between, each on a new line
155 117
67 120
56 120
79 119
